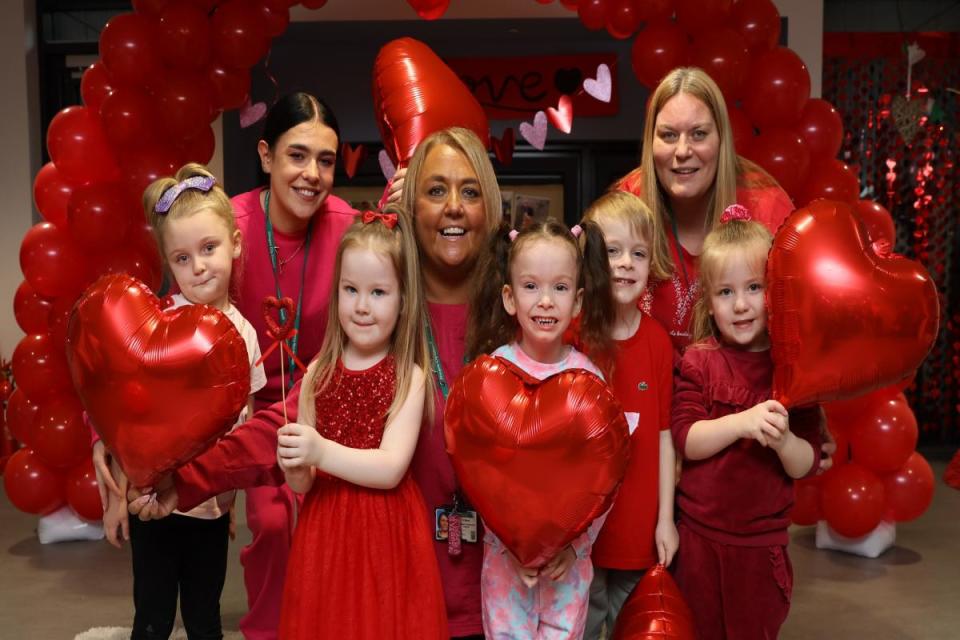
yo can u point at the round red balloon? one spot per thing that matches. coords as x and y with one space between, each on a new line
696 15
783 154
884 435
429 9
821 128
30 309
231 87
275 20
852 500
129 117
199 148
99 215
143 166
830 180
185 35
61 439
21 414
723 54
129 48
40 368
743 133
32 486
51 263
658 49
878 222
593 14
95 86
82 493
622 18
777 87
909 490
806 502
655 10
758 21
78 147
59 319
184 102
239 39
51 191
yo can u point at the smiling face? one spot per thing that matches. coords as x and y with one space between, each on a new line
686 148
629 256
368 303
543 296
300 166
200 251
738 305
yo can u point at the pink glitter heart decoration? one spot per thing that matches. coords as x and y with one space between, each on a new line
386 166
535 134
602 87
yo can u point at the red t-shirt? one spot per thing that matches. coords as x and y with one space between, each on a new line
741 495
643 383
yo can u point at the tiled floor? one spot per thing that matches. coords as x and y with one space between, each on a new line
911 592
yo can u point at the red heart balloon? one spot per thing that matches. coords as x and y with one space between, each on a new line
160 387
540 460
655 610
843 320
415 94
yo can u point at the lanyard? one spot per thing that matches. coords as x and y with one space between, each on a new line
435 363
272 250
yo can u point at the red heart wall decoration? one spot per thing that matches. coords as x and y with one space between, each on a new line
843 320
503 147
540 460
562 116
353 157
159 387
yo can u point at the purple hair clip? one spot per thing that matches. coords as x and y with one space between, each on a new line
200 183
735 212
513 234
576 230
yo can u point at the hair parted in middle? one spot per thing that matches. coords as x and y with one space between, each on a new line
490 325
409 343
748 239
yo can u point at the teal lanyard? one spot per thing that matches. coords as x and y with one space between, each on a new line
683 266
272 250
435 363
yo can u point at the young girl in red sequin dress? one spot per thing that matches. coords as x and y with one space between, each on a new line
362 563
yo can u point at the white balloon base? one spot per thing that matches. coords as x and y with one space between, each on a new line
63 525
868 546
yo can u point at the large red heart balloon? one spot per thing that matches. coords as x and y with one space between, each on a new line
540 460
655 610
415 94
160 387
843 320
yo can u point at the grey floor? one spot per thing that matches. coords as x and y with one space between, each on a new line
911 592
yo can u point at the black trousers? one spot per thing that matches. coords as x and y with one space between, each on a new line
184 555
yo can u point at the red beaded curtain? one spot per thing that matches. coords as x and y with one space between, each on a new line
865 77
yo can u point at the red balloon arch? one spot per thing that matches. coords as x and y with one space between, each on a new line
133 128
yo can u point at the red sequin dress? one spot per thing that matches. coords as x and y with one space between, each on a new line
362 562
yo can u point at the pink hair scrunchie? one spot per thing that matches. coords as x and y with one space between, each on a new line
735 212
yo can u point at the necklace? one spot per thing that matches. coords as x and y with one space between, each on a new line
282 261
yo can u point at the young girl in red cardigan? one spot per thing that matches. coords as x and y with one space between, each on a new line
741 449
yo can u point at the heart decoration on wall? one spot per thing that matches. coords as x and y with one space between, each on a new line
536 133
503 147
562 116
600 88
906 116
353 157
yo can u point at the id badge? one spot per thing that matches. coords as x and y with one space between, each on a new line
468 526
441 529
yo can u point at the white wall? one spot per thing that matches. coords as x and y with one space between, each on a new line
805 19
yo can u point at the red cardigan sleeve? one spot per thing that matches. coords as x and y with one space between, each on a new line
246 457
805 424
689 402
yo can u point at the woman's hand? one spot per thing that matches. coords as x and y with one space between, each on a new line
299 445
764 422
668 541
527 575
557 568
395 188
153 505
105 480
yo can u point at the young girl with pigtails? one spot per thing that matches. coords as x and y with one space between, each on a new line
362 564
534 282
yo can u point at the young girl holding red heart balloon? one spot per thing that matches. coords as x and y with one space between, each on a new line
741 449
187 553
531 284
362 563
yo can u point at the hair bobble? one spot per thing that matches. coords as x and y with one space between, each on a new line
389 220
576 230
200 183
513 234
735 212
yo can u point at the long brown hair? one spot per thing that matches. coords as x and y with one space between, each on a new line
490 325
409 344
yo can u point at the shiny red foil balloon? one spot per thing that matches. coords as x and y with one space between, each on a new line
655 610
878 221
159 387
415 94
843 320
540 460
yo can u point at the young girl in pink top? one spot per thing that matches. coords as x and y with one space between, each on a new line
741 449
532 284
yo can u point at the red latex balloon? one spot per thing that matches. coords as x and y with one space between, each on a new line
40 368
313 4
884 436
593 14
852 500
878 222
51 263
129 47
570 4
777 88
51 193
657 50
723 54
30 309
655 610
743 134
783 154
128 358
274 20
429 9
21 415
509 434
60 438
82 493
129 118
98 215
149 7
842 413
31 485
414 94
138 258
656 10
821 128
830 180
806 502
843 321
95 86
184 102
185 35
695 15
622 18
239 39
199 148
144 165
59 319
78 147
758 21
909 490
231 87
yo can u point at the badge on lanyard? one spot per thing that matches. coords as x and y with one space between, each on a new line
455 523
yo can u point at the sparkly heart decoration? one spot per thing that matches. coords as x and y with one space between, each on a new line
250 114
562 116
386 166
536 133
602 87
906 117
